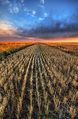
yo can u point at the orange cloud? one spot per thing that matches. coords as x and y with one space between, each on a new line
6 29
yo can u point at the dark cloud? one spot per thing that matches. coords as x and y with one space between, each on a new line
41 18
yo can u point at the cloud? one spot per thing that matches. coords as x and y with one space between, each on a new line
45 15
3 2
41 19
22 1
14 9
7 29
30 12
34 12
42 2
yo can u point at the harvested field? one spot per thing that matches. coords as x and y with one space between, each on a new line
8 46
72 49
39 82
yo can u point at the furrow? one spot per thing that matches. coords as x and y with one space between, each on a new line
20 100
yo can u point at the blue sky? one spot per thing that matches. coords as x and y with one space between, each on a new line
49 16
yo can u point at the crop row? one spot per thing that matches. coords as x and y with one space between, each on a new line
39 82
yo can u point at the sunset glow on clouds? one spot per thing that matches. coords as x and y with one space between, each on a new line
6 29
38 18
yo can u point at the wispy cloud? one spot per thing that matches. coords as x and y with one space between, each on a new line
45 15
14 8
7 29
41 18
42 2
3 2
22 1
30 12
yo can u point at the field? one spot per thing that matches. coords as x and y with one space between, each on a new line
69 47
8 46
39 82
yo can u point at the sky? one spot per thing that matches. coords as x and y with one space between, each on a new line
38 18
